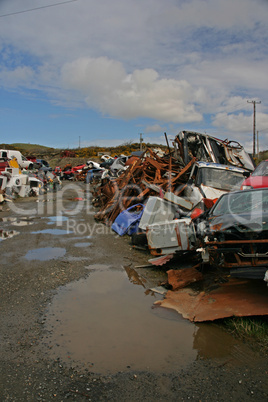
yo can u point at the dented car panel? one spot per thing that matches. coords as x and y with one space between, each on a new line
211 180
210 149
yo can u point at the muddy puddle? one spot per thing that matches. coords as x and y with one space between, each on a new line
58 219
45 253
107 323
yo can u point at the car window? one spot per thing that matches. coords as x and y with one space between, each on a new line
241 202
219 178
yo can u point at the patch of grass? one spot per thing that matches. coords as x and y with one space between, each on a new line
249 329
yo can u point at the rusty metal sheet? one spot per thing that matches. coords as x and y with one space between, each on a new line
179 278
237 297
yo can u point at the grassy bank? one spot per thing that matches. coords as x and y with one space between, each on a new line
250 329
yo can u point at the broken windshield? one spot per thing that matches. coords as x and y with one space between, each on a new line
219 178
242 202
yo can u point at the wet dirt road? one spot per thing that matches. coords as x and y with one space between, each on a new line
78 320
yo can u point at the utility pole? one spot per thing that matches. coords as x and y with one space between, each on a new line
258 149
141 139
254 125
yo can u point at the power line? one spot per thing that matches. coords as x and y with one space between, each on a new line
38 8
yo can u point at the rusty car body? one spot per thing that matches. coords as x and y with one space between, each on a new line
206 148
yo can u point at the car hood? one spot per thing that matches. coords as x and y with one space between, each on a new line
244 223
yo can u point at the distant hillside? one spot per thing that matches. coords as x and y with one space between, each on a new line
41 151
31 147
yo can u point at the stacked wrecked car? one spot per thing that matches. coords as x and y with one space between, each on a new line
169 205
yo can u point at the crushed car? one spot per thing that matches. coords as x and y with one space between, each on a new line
208 181
168 221
189 144
13 154
235 233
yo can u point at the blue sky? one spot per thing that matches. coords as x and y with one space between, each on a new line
100 72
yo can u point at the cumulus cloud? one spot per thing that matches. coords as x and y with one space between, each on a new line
233 122
240 122
107 87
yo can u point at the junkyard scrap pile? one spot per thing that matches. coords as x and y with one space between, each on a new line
147 176
171 199
151 174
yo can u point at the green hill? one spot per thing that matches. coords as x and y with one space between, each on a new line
31 147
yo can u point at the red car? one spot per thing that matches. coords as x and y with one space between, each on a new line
257 179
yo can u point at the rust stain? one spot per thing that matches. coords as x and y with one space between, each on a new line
178 236
179 278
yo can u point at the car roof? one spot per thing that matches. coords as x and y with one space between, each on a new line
246 191
220 166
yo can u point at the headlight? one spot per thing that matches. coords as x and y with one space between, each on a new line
246 187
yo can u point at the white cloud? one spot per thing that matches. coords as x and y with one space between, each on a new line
239 127
155 128
240 122
170 62
107 87
232 122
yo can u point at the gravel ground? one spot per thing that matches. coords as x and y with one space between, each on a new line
27 371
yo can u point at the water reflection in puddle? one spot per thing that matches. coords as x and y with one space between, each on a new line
58 219
108 324
53 231
46 253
